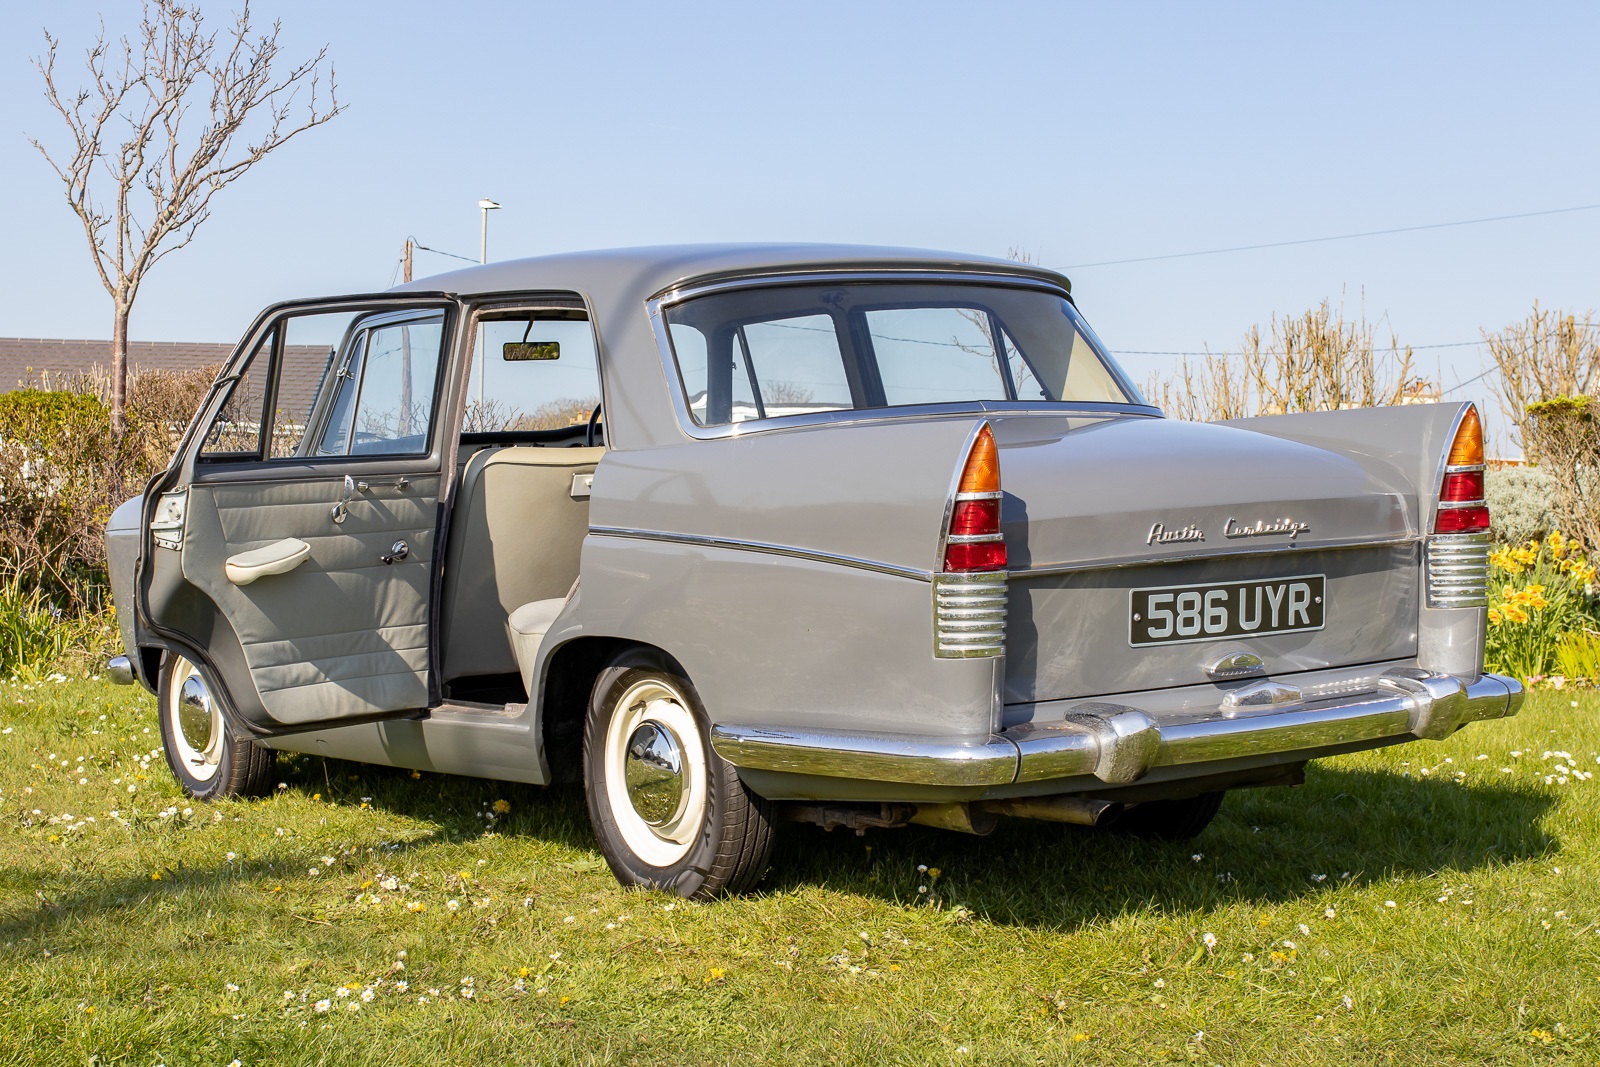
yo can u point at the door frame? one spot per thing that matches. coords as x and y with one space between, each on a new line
185 469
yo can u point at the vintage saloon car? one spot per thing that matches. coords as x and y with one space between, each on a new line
740 534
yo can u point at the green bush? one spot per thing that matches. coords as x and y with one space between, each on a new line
1521 502
62 471
1562 435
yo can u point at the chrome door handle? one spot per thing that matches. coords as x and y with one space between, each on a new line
342 508
397 552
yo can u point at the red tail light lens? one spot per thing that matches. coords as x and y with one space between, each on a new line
1462 487
1462 520
974 542
971 518
975 556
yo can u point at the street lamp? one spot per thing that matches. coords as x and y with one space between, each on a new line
483 237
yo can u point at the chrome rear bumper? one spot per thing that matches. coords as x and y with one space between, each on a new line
1118 745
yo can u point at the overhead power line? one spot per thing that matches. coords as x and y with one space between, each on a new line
440 252
1337 237
1224 352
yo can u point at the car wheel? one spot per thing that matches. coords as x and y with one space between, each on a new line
206 757
1170 820
669 812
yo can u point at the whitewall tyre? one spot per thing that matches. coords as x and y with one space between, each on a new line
203 751
669 813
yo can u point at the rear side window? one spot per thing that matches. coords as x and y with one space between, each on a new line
767 352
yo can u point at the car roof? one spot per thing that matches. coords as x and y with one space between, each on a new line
617 285
657 269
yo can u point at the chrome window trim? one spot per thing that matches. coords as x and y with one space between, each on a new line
739 544
657 306
1039 570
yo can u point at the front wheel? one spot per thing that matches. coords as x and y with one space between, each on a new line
669 813
203 753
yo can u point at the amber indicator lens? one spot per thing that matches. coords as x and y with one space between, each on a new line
982 472
1467 449
1462 487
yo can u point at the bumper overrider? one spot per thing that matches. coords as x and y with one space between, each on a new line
1118 745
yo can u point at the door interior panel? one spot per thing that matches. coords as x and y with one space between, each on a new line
344 634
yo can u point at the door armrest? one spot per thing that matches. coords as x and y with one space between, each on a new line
280 557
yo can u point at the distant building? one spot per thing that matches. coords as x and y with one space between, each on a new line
36 361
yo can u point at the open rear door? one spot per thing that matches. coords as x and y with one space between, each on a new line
290 550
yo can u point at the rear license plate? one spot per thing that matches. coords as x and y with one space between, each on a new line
1178 614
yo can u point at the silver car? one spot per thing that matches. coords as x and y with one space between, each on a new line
743 534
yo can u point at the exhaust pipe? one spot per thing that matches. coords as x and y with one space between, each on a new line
1079 811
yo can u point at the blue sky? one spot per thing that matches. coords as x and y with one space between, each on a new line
1079 132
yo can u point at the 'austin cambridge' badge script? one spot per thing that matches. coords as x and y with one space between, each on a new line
1263 528
1160 535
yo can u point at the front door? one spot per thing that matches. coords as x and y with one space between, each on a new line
292 544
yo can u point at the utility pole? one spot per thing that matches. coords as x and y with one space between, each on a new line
404 429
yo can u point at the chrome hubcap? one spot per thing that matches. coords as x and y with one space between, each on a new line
656 782
194 713
653 773
195 721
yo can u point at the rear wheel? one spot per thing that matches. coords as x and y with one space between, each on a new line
206 757
1170 820
669 813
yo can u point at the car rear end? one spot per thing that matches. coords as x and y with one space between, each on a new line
966 562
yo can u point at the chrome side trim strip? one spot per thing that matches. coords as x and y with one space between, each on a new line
1039 570
1115 745
704 541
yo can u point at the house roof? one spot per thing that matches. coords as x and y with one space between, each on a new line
27 361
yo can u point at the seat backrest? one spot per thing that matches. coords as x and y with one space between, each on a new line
516 534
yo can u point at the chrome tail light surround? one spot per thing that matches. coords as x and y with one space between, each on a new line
1458 570
969 615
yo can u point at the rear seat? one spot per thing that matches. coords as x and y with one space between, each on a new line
516 534
529 624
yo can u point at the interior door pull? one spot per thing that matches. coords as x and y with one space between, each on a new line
280 557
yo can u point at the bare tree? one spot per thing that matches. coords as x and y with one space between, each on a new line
1549 354
1317 361
142 164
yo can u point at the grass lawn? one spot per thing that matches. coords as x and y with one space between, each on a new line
1430 904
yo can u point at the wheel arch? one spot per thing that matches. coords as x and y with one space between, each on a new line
565 685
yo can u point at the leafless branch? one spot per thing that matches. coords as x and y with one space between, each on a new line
169 118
